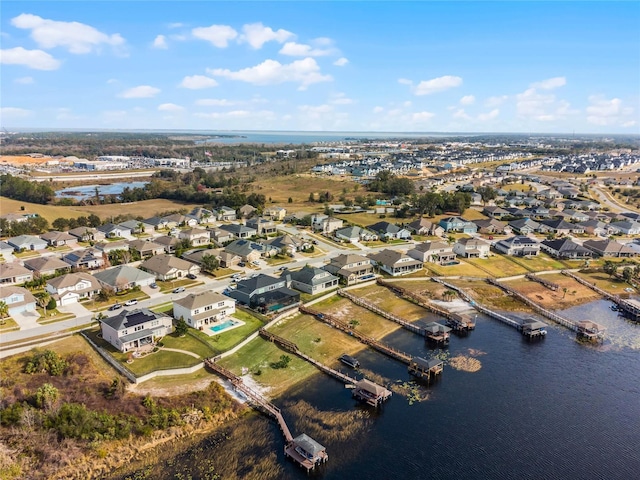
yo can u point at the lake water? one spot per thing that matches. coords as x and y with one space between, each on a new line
88 191
549 409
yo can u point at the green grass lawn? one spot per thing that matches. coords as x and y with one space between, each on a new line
52 316
170 285
164 308
190 343
539 263
463 269
97 306
307 297
8 324
61 248
498 266
278 260
227 340
348 245
26 254
603 281
224 272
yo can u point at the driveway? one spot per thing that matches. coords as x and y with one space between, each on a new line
75 308
26 320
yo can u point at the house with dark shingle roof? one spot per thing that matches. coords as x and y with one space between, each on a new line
610 248
167 267
565 248
89 259
132 329
560 226
124 277
353 233
390 231
524 226
58 239
265 293
249 251
422 226
310 280
45 266
239 231
353 268
458 224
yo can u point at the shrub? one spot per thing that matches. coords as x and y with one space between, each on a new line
47 361
52 304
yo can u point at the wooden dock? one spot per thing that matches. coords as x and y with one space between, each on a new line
423 368
628 308
348 329
456 321
291 449
536 278
595 331
379 311
293 348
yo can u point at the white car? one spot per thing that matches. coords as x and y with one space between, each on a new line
131 302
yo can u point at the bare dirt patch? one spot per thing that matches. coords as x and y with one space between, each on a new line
575 293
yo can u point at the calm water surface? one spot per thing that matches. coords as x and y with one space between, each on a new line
87 191
552 409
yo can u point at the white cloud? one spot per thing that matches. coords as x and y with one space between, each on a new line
340 99
256 35
550 83
378 109
218 35
160 42
260 114
25 80
422 116
176 25
112 81
341 62
141 91
198 82
315 110
14 112
467 100
483 117
427 87
215 102
170 107
495 101
602 111
271 72
461 114
294 49
36 59
74 36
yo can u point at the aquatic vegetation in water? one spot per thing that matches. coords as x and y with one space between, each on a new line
465 364
413 391
474 352
328 425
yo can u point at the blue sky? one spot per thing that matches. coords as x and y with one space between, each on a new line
332 66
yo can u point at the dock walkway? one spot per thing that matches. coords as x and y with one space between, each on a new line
535 278
346 328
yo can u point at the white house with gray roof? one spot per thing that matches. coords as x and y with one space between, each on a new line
72 287
395 263
27 242
200 310
311 280
124 277
132 329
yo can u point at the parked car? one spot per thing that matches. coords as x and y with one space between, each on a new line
255 262
131 302
191 276
282 268
115 306
154 285
235 276
178 290
242 264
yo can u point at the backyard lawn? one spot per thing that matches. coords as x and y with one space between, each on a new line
227 340
605 282
498 266
462 268
539 263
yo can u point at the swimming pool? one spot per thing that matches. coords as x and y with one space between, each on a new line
224 326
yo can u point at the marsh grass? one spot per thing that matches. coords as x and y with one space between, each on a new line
328 425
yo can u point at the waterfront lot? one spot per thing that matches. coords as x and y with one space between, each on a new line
575 293
490 296
462 268
539 263
605 282
498 266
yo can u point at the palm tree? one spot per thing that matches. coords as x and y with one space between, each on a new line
4 311
43 300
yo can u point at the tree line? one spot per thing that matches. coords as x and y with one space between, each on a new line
19 189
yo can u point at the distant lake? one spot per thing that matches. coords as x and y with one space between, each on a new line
87 191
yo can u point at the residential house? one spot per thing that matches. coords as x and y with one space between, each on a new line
202 216
275 213
87 234
354 233
472 248
310 280
239 231
226 214
195 256
518 246
14 217
196 236
565 248
389 231
14 274
167 267
560 226
228 259
495 212
610 248
524 226
351 267
440 253
136 226
45 266
458 224
178 220
201 310
157 223
17 299
263 226
395 263
146 248
574 215
422 226
168 243
596 228
132 329
286 244
624 227
124 277
72 287
115 231
325 224
220 237
247 211
108 247
265 293
249 251
492 226
58 239
87 259
27 242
